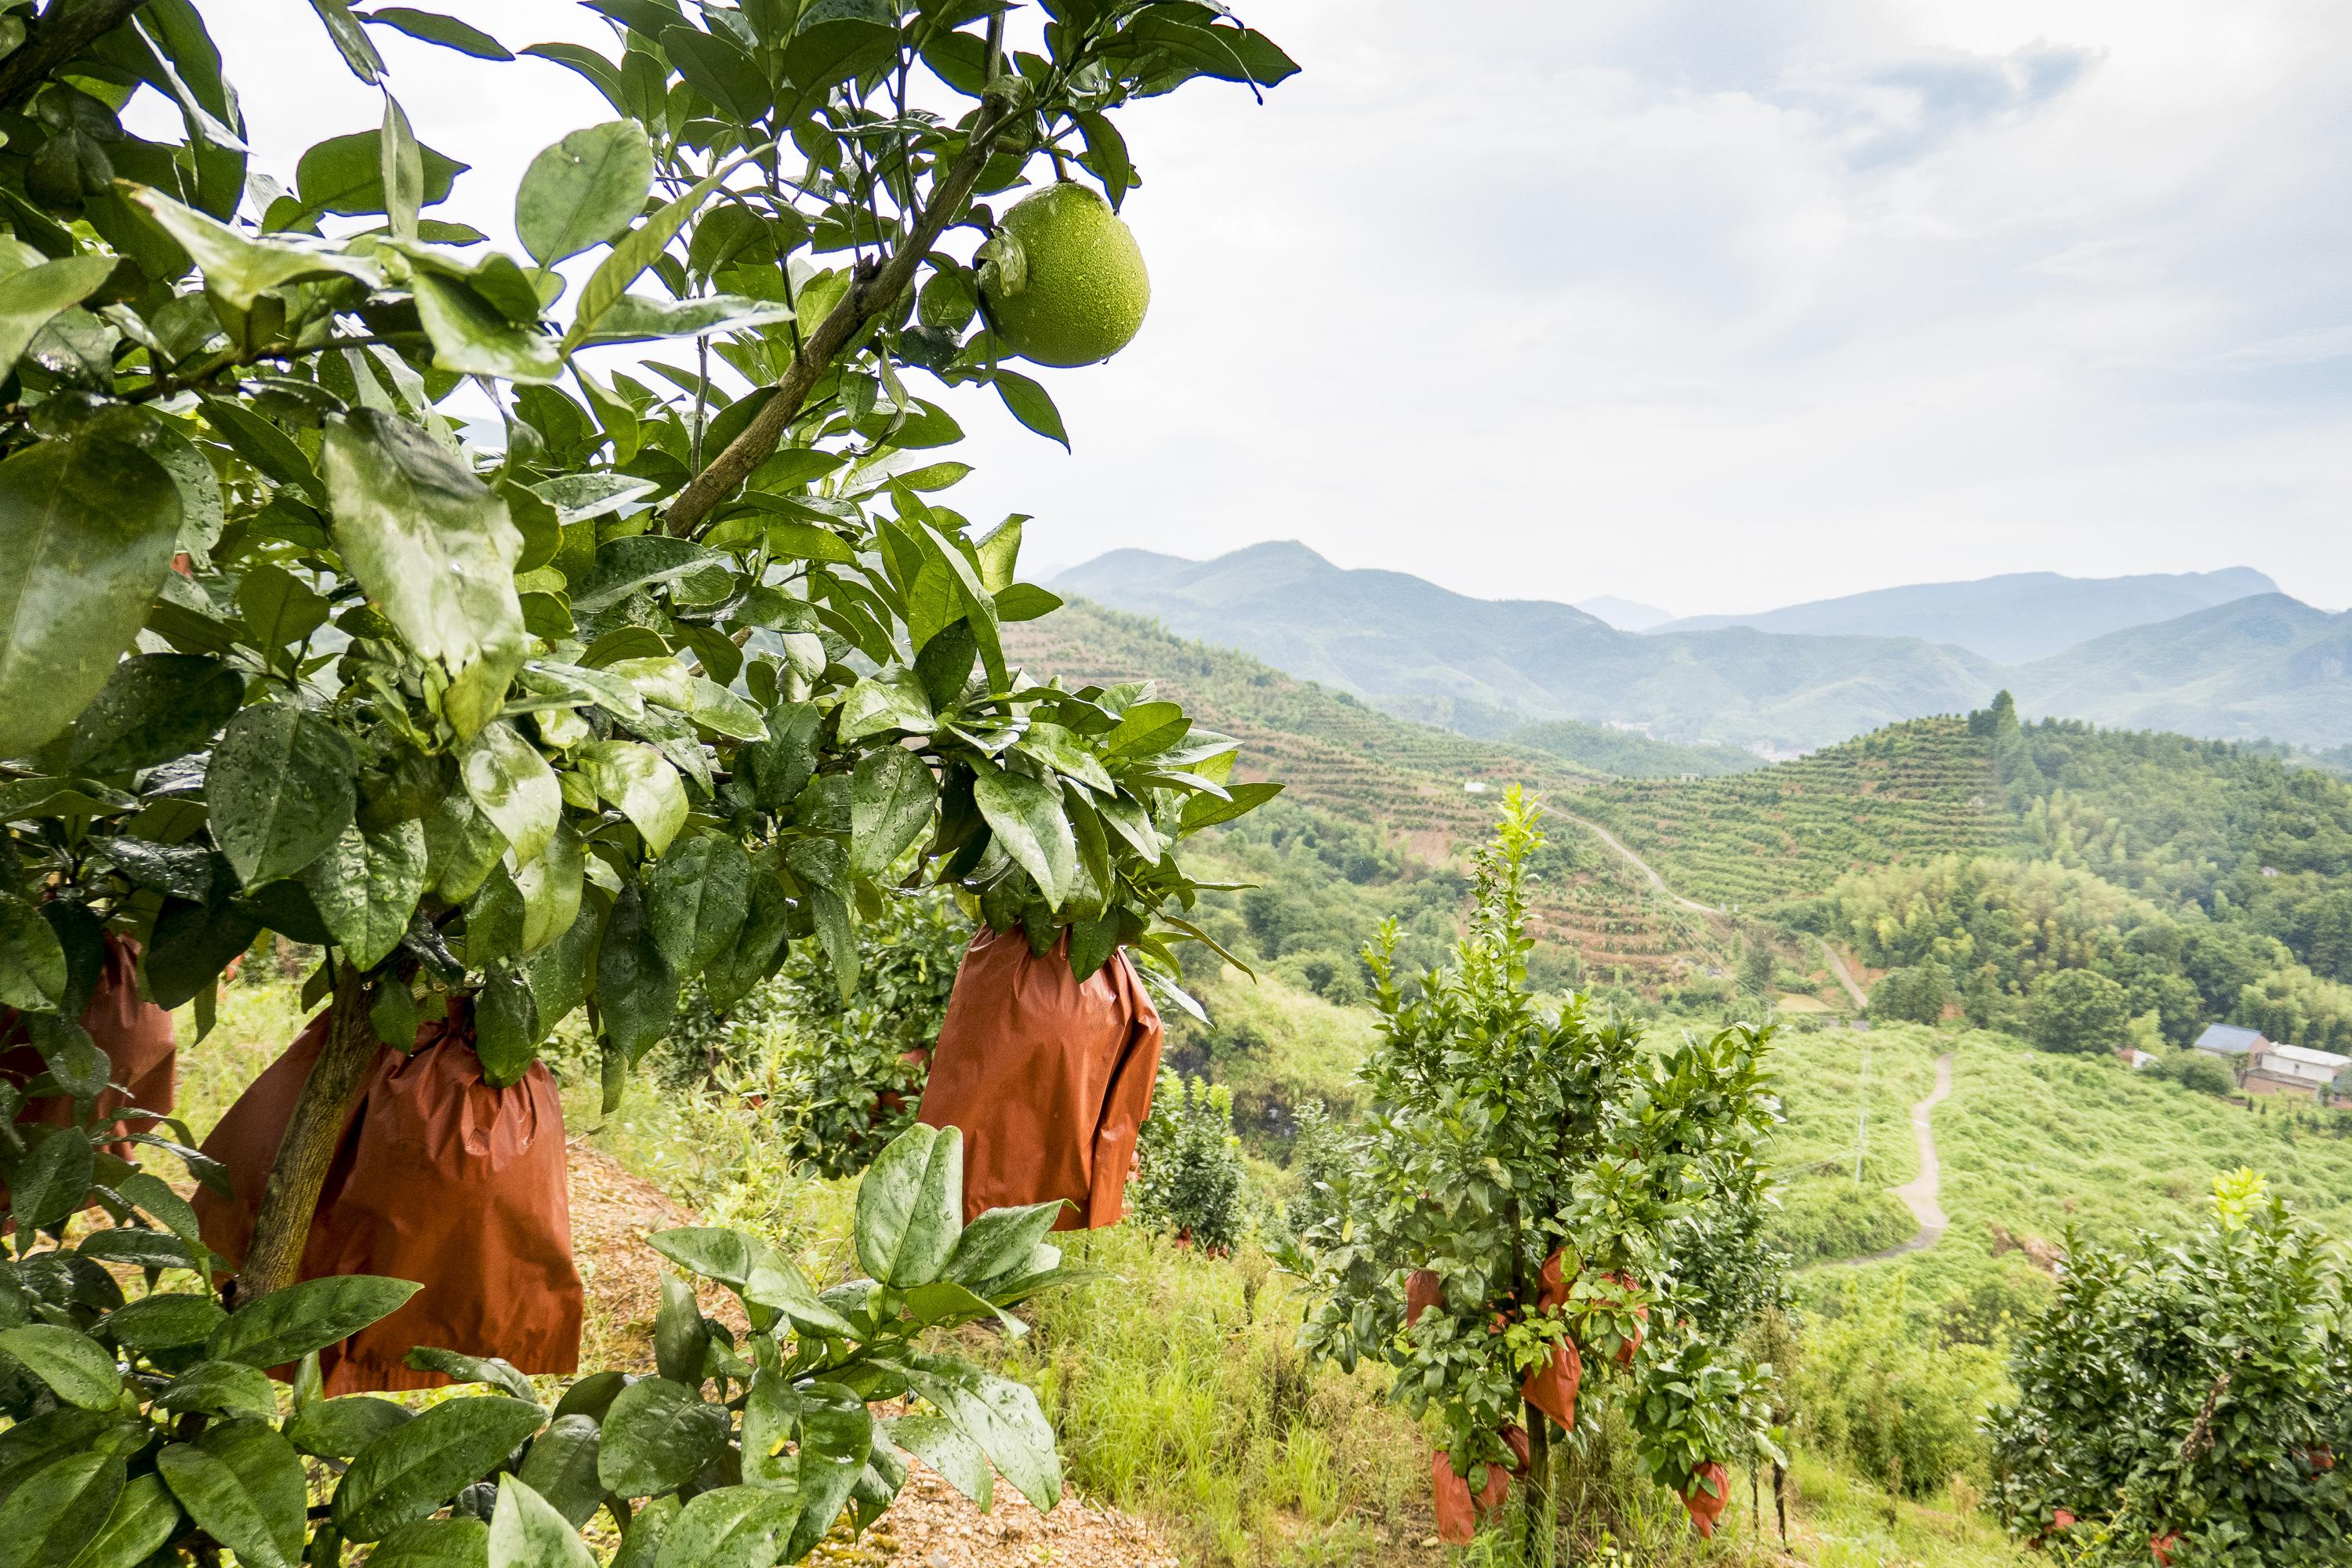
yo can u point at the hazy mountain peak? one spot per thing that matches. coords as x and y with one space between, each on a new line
2014 619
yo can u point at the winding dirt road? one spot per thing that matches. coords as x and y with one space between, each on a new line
1923 1193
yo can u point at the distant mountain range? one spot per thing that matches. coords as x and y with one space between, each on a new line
2009 619
2258 665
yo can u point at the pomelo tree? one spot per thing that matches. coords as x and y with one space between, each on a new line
2183 1402
1527 1211
682 667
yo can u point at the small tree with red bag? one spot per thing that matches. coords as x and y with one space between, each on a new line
1522 1188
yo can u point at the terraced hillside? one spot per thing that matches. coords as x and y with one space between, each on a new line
1920 788
1427 791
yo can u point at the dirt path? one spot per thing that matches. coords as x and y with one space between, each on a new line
1845 976
1923 1193
931 1525
1638 864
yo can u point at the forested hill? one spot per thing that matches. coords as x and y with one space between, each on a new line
2204 879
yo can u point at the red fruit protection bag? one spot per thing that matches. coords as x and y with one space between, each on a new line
135 1035
439 1178
1049 1077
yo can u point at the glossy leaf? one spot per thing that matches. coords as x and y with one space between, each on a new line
340 1428
87 532
52 1514
892 798
458 1542
281 790
637 779
731 1527
696 899
658 1435
416 1467
562 1468
242 1483
513 786
32 962
77 1368
1027 818
433 548
367 886
29 298
289 1324
526 1531
145 1515
911 1206
583 191
155 707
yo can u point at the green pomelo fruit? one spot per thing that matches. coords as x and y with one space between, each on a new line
1082 289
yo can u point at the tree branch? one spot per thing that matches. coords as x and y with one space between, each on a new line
871 294
60 32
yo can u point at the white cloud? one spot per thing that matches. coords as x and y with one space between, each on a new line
1710 306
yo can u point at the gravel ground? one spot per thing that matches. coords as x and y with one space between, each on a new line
931 1525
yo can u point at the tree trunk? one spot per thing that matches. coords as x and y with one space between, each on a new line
282 1229
1540 1532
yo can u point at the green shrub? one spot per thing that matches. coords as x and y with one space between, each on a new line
1190 1181
1915 993
2079 1011
1816 1223
1903 1412
2196 1069
2194 1388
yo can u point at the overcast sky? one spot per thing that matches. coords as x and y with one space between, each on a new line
1717 306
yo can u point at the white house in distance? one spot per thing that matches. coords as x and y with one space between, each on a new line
2265 1067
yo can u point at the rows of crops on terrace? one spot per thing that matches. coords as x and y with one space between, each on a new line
1925 787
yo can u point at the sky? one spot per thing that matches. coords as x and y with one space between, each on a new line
1712 306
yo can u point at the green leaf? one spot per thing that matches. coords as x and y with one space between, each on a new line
458 1541
1025 601
1027 818
281 790
836 1437
632 254
242 1483
558 972
155 707
682 1342
52 1182
59 1510
875 706
1206 810
551 887
223 1387
163 1322
289 1324
87 532
340 1428
505 1028
29 299
495 1371
636 778
402 170
562 1468
731 1527
31 961
658 1435
626 565
1030 403
77 1368
433 27
433 548
720 71
461 845
696 899
999 1242
144 1518
527 1532
759 950
412 1470
911 1206
344 175
1003 1418
892 797
514 787
473 337
942 1445
367 886
583 191
239 267
635 319
636 993
349 40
